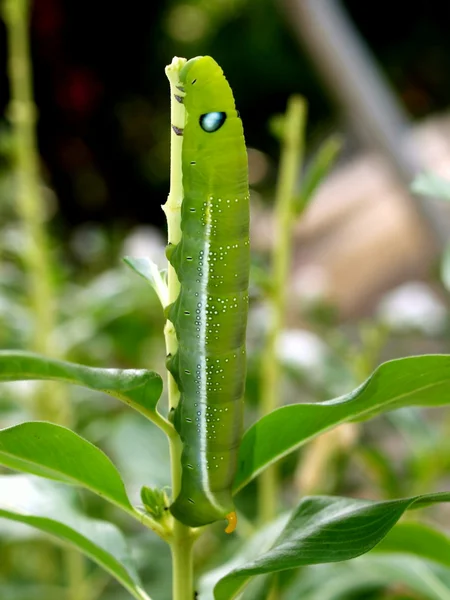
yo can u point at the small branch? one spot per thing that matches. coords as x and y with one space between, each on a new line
183 538
164 532
290 165
30 205
172 209
75 568
49 404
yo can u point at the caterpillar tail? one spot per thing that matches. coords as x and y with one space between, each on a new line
232 522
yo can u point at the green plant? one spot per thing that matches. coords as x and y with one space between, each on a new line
319 530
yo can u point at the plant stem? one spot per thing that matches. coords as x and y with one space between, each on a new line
74 565
53 405
172 209
50 403
183 539
292 143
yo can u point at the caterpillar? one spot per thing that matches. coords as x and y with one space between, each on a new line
210 314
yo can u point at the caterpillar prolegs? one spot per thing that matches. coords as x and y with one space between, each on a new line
210 313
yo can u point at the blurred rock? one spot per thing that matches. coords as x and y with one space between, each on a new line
303 349
413 306
362 234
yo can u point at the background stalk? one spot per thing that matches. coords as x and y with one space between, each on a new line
183 539
51 401
292 145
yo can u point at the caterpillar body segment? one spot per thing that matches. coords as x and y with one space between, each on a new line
210 313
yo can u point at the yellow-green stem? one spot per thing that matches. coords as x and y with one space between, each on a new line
52 405
292 143
51 401
75 568
183 539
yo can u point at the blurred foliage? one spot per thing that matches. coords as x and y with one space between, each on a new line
102 96
102 99
110 316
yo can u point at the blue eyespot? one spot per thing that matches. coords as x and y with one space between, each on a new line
212 121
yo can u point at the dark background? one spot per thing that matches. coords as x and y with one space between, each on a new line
102 94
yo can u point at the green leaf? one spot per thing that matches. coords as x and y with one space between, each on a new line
322 530
417 380
259 542
319 168
139 388
155 502
429 184
50 508
57 453
418 539
149 270
257 588
361 577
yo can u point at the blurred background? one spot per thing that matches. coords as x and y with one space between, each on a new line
101 94
370 271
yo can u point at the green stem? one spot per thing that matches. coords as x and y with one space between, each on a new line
290 164
183 538
50 403
75 568
53 405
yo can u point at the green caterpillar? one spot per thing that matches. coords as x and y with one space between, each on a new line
210 313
